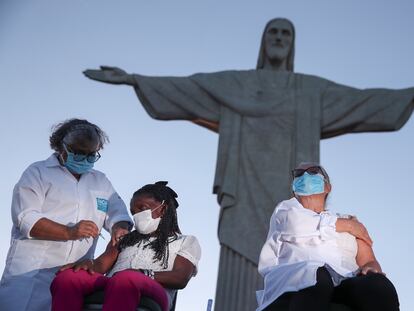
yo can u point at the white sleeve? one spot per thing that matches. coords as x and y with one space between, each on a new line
27 201
269 254
117 211
191 250
327 226
270 251
298 224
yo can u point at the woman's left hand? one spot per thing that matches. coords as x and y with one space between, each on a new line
87 265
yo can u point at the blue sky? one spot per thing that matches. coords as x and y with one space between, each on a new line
45 45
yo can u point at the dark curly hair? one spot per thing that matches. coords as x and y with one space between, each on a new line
61 129
167 230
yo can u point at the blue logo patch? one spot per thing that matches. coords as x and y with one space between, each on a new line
102 204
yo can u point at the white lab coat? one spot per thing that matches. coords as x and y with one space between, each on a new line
47 189
298 243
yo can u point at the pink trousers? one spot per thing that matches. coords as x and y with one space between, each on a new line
122 291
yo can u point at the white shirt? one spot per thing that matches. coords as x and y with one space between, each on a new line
47 189
138 257
298 243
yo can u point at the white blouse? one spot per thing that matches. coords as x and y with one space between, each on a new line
298 243
138 257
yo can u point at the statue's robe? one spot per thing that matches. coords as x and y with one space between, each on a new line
269 122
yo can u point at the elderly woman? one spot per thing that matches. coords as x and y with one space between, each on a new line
59 207
312 257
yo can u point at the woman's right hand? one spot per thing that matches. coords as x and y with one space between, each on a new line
83 229
87 265
354 227
108 74
358 230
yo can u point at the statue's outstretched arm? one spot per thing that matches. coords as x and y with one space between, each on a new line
350 110
166 98
112 75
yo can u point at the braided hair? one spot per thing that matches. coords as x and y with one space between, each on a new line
167 230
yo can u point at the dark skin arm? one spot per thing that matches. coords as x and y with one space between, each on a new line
102 264
46 229
179 276
366 259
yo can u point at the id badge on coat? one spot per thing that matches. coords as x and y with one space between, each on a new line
102 204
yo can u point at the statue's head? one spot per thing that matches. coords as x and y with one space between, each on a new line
278 44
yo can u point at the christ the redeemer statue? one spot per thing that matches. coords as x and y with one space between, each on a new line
269 120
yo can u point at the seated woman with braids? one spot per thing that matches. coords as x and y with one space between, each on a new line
154 260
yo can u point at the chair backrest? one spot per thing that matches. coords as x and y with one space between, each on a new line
174 301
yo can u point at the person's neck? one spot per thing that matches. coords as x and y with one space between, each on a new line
314 202
77 176
275 64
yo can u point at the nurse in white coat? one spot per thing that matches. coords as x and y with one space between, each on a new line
59 207
312 257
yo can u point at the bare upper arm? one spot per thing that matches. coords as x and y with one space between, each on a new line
179 276
107 259
184 267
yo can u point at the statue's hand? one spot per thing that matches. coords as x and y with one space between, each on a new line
107 74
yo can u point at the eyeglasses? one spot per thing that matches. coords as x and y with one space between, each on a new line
313 170
79 157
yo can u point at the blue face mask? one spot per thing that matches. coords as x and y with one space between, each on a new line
77 167
308 184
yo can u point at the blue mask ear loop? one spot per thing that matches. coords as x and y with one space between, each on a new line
63 162
60 156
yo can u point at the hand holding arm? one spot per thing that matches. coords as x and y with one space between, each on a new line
112 75
83 229
354 227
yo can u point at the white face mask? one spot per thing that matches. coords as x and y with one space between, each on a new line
144 222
